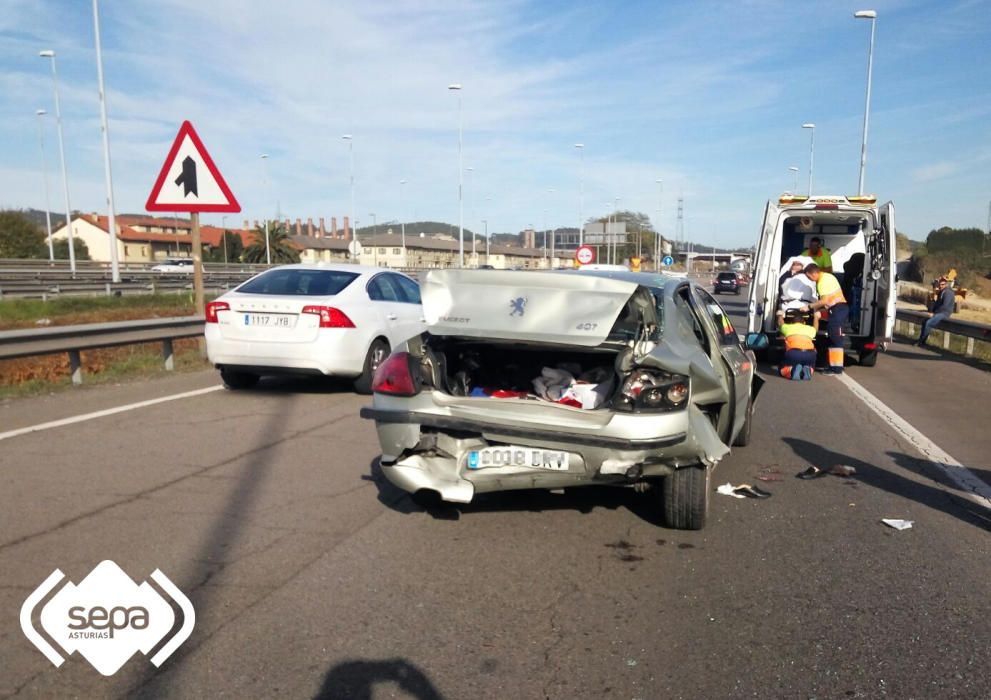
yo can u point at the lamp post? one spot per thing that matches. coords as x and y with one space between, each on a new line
581 193
471 213
402 203
605 231
872 16
794 170
48 53
553 235
615 246
812 151
657 229
461 208
485 222
108 176
44 170
268 251
375 250
350 139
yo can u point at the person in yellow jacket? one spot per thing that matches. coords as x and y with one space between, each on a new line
830 298
800 348
820 256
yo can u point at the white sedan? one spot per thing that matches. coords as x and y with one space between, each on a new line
340 320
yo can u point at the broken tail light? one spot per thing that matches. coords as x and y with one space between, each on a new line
648 391
213 307
396 376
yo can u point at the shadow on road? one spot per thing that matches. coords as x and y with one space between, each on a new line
583 499
301 384
872 475
931 352
356 680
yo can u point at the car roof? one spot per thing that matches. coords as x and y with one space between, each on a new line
657 280
340 267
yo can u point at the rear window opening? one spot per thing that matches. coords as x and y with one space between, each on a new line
841 234
299 282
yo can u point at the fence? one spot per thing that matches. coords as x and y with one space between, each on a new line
908 323
73 339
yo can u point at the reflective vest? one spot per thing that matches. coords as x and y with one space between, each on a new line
798 336
829 290
823 260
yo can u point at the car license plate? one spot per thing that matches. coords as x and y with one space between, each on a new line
530 457
269 320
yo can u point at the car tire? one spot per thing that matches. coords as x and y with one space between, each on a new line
743 439
235 380
377 352
737 291
867 358
686 498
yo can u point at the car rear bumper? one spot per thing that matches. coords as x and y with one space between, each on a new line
340 356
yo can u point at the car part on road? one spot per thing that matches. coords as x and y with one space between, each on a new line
742 491
897 523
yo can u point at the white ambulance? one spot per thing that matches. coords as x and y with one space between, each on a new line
861 239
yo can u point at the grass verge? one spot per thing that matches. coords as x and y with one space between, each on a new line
64 311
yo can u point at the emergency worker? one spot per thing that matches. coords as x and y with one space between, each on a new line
820 256
832 300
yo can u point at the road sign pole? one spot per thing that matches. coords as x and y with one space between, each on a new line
197 264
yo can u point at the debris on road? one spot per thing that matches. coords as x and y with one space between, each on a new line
742 491
898 524
812 472
770 474
842 470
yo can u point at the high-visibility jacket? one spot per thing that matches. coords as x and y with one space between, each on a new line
823 260
829 290
798 336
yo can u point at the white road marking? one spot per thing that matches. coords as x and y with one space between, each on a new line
106 412
974 488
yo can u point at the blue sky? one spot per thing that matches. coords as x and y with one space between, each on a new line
707 96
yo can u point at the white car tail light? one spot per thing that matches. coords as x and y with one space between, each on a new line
213 307
329 316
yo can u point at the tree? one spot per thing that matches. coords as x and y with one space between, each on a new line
61 248
235 248
281 248
20 238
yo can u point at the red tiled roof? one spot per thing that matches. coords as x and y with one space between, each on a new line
209 235
129 234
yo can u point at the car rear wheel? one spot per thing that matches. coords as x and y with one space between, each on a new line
867 358
686 498
377 352
238 380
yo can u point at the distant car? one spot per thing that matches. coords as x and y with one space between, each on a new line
335 320
726 282
486 267
174 265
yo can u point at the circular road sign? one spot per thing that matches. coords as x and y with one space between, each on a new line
585 255
355 248
668 260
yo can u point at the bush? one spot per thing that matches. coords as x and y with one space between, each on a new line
20 237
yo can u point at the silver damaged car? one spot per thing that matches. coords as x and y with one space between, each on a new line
545 380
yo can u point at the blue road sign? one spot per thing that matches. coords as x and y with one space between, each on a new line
668 260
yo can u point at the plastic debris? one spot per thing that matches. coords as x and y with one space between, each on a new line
728 489
742 491
898 524
842 470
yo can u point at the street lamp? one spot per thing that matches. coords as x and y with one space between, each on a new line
61 149
550 191
44 170
812 151
794 170
615 246
350 139
471 213
111 216
872 16
605 231
581 193
402 202
268 251
461 208
657 229
488 210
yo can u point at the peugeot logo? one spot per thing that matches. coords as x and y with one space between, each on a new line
518 306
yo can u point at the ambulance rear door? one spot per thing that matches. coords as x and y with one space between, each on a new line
763 285
887 284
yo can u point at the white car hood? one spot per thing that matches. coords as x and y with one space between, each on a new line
544 307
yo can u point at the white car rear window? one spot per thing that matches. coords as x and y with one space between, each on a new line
299 282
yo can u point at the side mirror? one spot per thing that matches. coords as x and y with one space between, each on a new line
757 341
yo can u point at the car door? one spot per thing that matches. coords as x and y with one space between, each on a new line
887 296
411 317
737 361
385 296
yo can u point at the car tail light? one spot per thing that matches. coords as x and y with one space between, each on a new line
213 307
395 376
653 391
329 316
870 346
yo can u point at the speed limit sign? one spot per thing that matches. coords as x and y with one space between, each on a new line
585 255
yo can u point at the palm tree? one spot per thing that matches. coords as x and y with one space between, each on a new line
282 249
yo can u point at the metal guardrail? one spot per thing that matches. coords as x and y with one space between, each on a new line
89 336
968 329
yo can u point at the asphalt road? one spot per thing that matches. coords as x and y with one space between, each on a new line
312 577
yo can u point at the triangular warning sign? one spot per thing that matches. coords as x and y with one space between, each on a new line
189 180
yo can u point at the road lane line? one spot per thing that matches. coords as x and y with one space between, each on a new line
106 412
974 488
